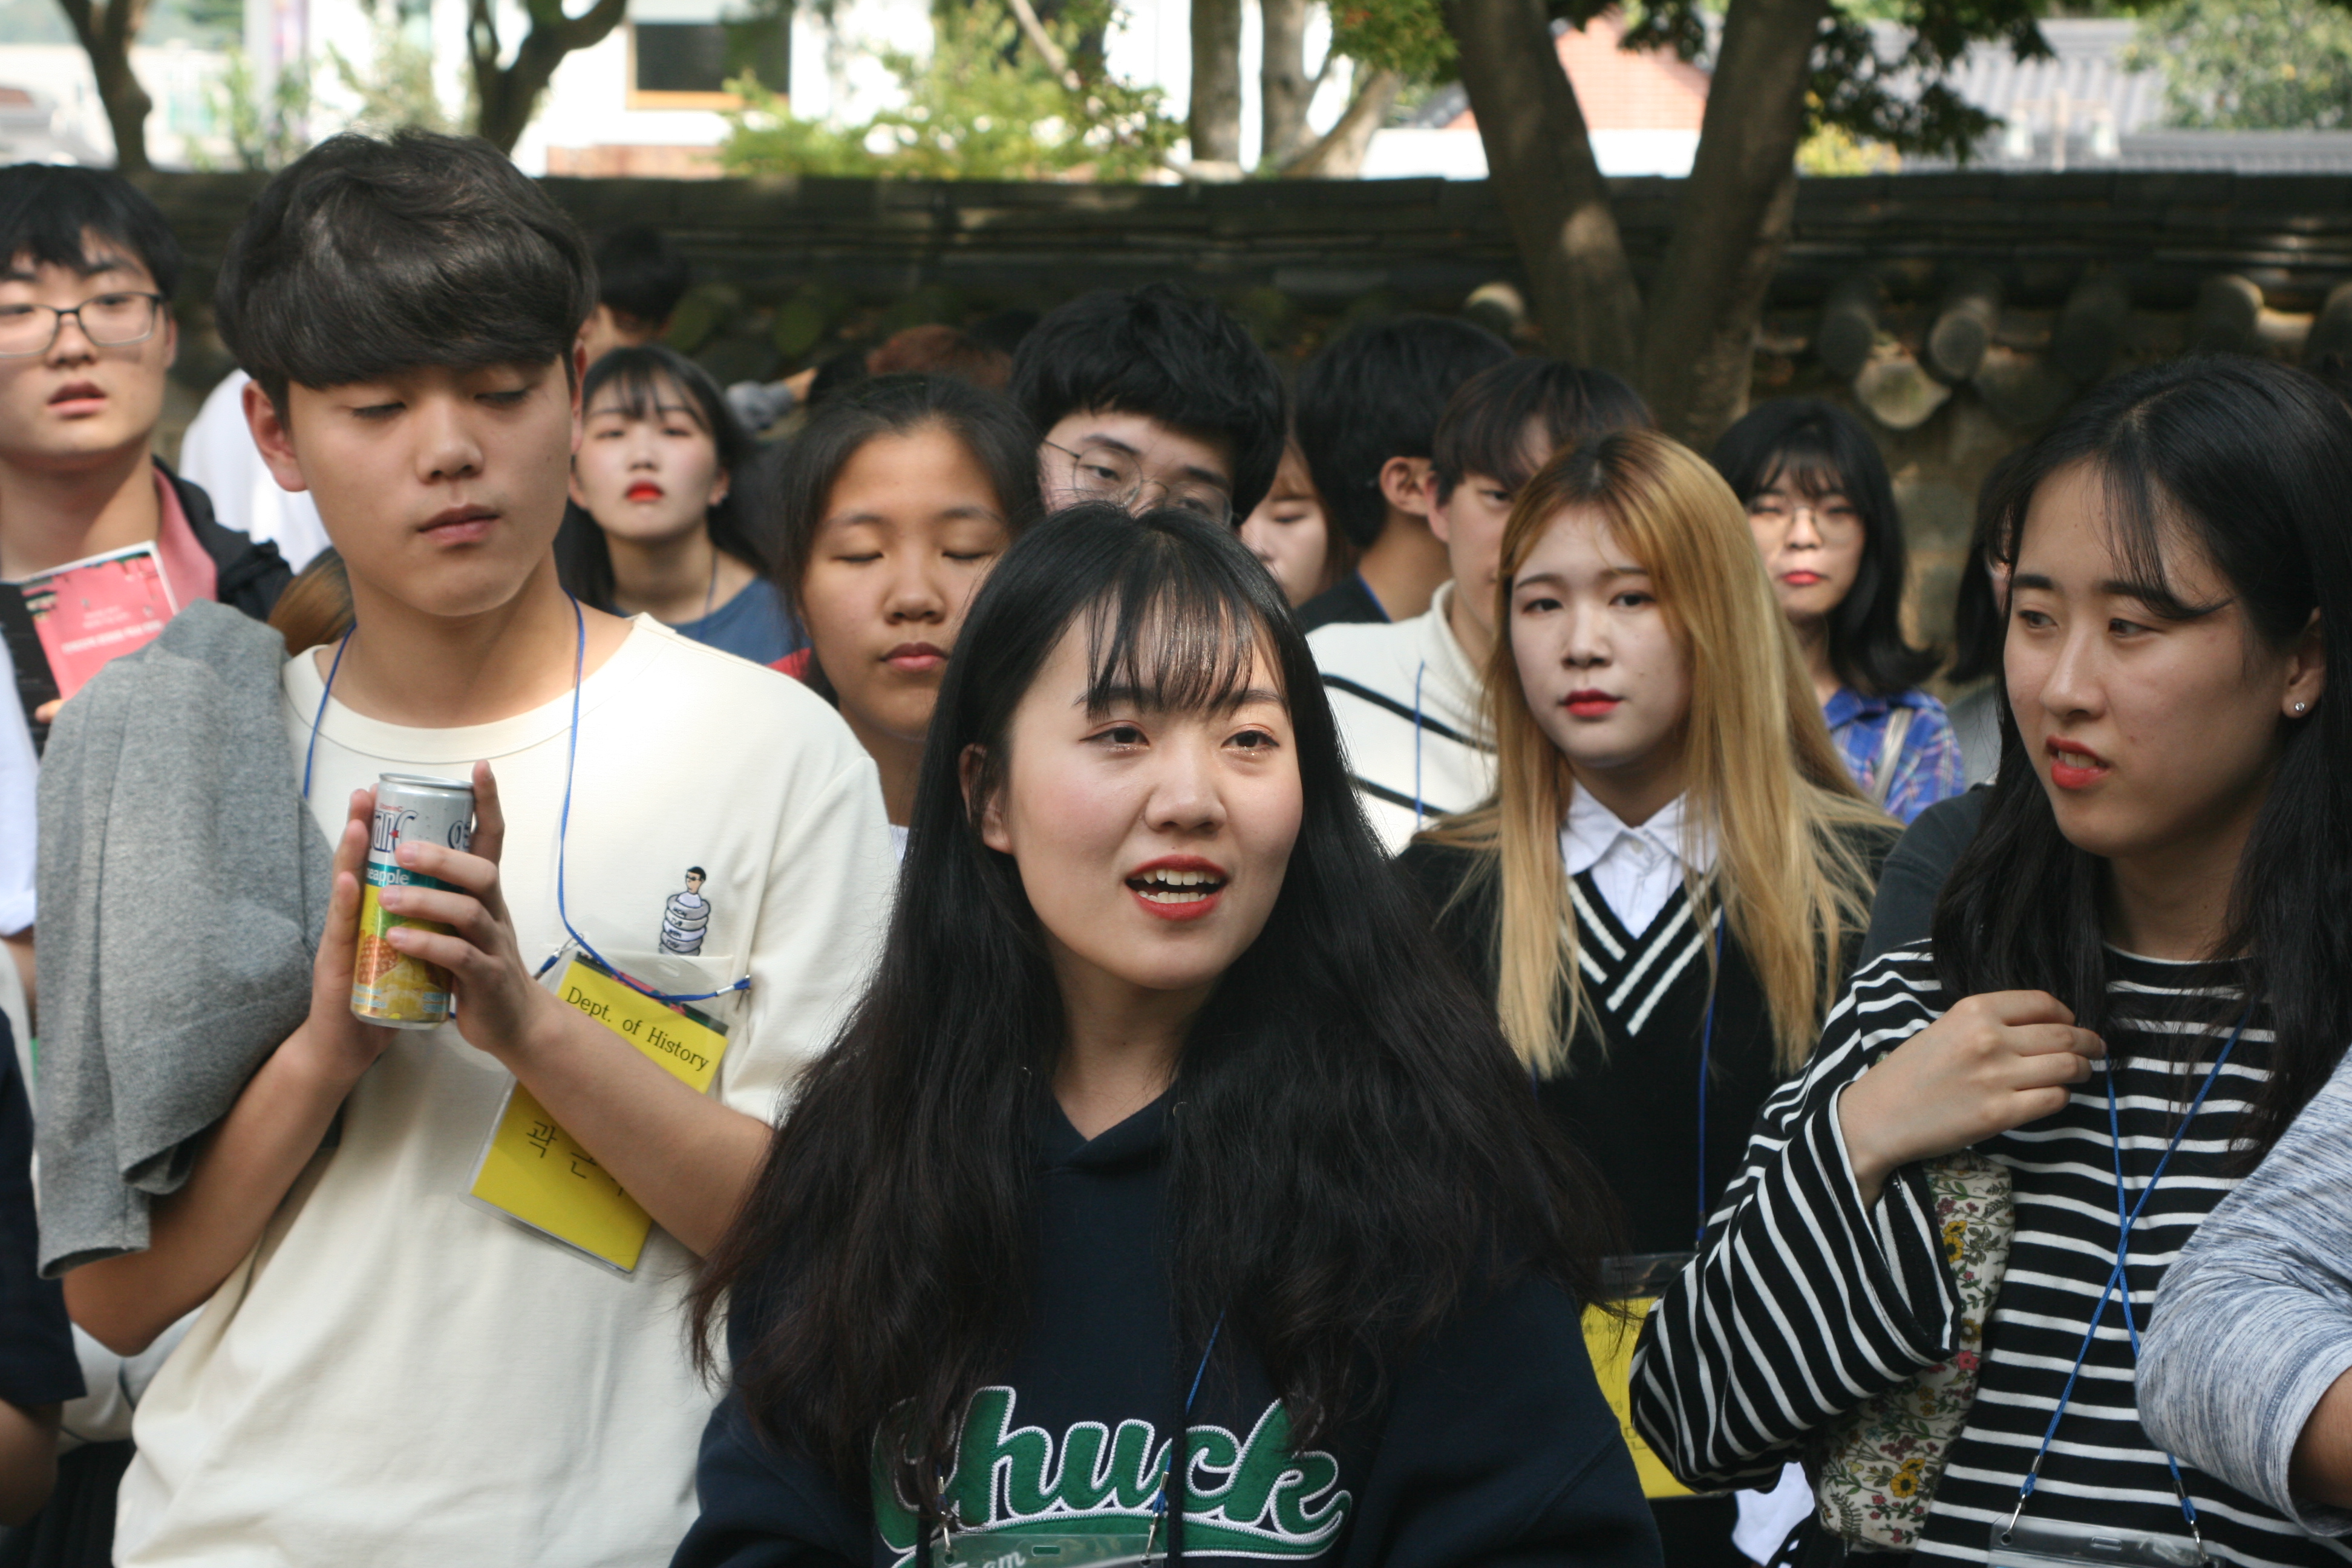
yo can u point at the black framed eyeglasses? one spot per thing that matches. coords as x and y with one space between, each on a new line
114 320
1101 472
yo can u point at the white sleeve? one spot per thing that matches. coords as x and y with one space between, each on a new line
819 931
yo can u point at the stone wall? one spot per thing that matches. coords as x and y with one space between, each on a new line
790 269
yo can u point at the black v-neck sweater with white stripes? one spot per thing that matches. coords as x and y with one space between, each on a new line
1631 1096
1805 1302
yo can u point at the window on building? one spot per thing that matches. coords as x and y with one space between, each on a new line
682 60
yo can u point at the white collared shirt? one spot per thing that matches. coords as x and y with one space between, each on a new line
1407 701
1635 870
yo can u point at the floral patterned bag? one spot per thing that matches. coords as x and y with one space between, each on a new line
1876 1470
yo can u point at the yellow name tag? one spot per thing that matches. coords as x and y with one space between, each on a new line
535 1172
1610 1340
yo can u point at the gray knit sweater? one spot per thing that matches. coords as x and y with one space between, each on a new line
183 890
2254 1322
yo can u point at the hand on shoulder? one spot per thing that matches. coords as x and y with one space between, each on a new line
1993 1062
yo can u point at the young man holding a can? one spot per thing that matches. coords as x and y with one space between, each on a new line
386 1372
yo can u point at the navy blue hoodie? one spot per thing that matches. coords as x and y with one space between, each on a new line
1495 1446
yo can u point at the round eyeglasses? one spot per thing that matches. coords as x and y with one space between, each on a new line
108 320
1102 472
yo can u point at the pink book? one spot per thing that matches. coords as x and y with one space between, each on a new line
62 626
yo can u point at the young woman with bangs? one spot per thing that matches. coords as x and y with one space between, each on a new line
2133 982
1159 1118
1821 508
897 498
1663 893
656 526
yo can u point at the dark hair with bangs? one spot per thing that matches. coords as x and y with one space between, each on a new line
1822 450
986 423
1353 1151
50 212
1485 427
647 378
1377 392
2249 463
363 258
1167 356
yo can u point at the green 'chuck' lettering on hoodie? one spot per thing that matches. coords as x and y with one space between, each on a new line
1249 1496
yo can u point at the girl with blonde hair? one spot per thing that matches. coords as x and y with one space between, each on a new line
1667 886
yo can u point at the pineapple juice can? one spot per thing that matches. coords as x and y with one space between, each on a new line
388 986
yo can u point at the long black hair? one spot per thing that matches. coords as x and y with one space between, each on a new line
1821 449
644 375
1353 1147
992 428
2252 461
1979 620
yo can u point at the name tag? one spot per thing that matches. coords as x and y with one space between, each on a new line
2051 1544
534 1173
1609 1340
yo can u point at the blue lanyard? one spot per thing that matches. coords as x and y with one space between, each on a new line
563 825
1706 1053
1174 1468
1706 1060
1419 671
2117 1277
1179 1466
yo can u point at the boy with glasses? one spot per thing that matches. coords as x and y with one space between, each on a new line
1151 397
87 269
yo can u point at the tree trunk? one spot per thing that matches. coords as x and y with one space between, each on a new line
1285 90
1340 153
107 33
1541 166
1217 119
1732 221
508 96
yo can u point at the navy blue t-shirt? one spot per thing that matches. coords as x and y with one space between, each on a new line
36 1353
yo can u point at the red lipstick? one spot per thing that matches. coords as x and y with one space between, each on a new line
644 489
1588 702
2073 766
1178 887
1801 579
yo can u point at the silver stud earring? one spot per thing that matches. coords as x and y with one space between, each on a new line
2301 706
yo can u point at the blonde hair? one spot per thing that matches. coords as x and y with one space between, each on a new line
1761 776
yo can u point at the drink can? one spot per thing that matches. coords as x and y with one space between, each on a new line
388 986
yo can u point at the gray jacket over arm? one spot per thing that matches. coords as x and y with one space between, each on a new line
2254 1322
183 890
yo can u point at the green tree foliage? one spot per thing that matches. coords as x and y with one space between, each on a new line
981 106
395 90
264 130
1904 104
1407 37
2252 65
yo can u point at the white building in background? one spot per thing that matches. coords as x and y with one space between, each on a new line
51 112
650 100
647 100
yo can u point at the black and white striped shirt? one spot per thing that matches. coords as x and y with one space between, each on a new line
1803 1303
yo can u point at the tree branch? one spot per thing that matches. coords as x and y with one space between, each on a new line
1043 42
1338 152
1733 220
1540 163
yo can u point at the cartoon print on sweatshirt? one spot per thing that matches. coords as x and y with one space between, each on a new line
1247 1496
686 916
